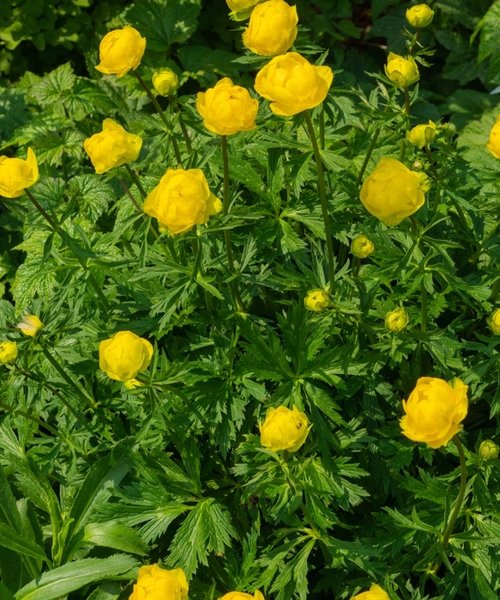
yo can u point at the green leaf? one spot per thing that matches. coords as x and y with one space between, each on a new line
116 535
32 279
17 543
74 575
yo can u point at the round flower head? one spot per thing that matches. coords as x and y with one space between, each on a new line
493 144
124 355
112 147
165 82
17 174
284 429
121 50
494 322
403 72
434 411
396 320
272 28
241 9
293 84
242 596
30 325
422 135
317 300
392 192
374 593
227 108
155 583
8 352
419 15
488 450
362 247
182 200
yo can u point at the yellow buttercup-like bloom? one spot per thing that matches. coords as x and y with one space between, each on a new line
293 84
362 247
419 15
155 583
124 355
121 50
284 429
374 593
396 320
488 450
112 147
182 200
8 352
30 325
392 192
241 9
434 411
242 596
227 108
317 300
17 174
495 322
272 28
165 82
403 72
422 135
493 144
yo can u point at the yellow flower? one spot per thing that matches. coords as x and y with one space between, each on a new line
488 450
374 593
392 192
317 300
155 583
131 384
227 108
419 15
403 72
434 410
362 247
241 9
165 82
272 28
242 596
284 429
8 352
494 322
17 174
30 325
182 200
293 84
493 144
396 320
422 135
121 50
112 147
124 355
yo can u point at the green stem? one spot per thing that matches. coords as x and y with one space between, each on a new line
198 268
184 130
130 196
407 104
461 493
137 181
322 197
423 307
227 233
26 415
70 243
371 148
159 110
84 395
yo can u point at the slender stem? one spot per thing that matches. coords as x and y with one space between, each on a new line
185 134
83 394
70 243
128 193
198 268
227 233
371 148
322 197
137 181
26 415
407 103
159 110
423 307
461 493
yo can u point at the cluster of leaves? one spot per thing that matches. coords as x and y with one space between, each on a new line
96 479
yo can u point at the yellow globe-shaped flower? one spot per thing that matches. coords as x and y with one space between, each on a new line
284 429
17 174
124 355
402 71
120 51
112 147
493 143
374 593
272 28
155 583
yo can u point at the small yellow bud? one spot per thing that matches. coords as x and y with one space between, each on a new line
419 15
30 325
362 247
8 352
422 135
317 300
165 82
494 322
131 384
417 165
488 450
396 320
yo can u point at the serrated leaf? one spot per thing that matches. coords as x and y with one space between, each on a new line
116 535
14 541
93 195
33 279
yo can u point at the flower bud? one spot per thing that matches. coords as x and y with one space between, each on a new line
493 144
241 9
419 15
374 593
30 325
417 165
272 28
488 450
121 50
403 72
17 174
396 320
362 247
494 322
317 300
284 429
422 135
242 596
165 82
8 352
132 384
